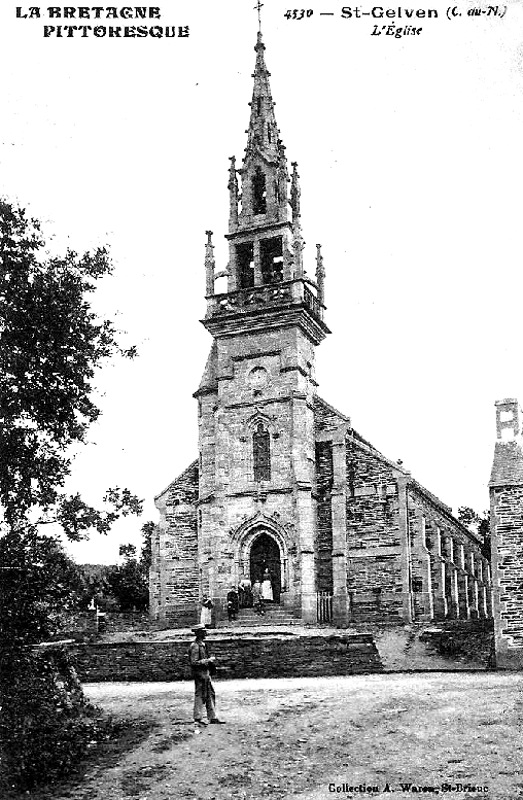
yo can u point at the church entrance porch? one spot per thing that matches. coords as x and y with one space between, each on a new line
261 551
265 565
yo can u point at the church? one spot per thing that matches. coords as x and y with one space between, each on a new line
283 484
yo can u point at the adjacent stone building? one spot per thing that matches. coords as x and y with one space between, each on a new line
506 521
283 481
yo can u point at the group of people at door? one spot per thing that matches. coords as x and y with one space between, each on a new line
246 595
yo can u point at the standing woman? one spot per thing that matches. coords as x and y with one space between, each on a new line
267 594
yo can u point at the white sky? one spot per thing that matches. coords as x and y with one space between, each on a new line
409 152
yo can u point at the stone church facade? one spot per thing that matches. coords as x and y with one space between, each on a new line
283 481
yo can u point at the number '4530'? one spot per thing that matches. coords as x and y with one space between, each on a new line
298 13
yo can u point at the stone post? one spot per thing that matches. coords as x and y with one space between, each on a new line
340 610
258 277
405 545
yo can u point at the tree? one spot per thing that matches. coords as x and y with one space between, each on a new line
51 345
146 552
41 588
129 582
97 588
480 523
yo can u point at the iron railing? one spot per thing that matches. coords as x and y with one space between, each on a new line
324 607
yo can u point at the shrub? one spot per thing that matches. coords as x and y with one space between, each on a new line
46 723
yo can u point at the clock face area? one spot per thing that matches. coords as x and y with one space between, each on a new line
258 378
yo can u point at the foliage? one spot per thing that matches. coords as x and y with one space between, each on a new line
123 587
97 587
51 343
480 523
41 588
46 723
129 586
146 553
129 582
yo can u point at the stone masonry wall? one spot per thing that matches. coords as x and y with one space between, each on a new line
174 580
374 578
507 522
263 378
241 657
89 623
448 645
323 545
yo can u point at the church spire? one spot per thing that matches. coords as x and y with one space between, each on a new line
264 177
263 136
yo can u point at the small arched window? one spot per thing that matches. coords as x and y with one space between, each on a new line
259 193
261 451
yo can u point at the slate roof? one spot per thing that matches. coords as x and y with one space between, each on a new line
188 480
507 468
326 417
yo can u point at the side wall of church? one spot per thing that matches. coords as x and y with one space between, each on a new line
374 537
174 575
408 557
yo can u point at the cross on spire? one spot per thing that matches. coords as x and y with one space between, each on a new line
259 6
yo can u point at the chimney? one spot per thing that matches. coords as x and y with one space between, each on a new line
507 419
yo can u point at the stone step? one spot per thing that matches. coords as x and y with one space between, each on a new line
259 623
267 615
274 616
269 618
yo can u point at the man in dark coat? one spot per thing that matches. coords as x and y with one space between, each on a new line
201 667
232 604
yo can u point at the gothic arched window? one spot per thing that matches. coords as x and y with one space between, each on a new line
261 451
259 192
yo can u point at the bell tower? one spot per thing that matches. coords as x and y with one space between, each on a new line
255 400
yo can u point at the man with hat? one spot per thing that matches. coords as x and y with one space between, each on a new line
201 667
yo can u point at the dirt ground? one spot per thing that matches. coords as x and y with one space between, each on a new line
314 738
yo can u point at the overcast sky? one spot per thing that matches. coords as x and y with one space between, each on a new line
409 153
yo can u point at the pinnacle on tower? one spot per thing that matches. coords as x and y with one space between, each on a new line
209 265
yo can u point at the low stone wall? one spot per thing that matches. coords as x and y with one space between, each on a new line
463 643
247 656
121 621
447 646
89 623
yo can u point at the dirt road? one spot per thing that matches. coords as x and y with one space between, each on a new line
379 736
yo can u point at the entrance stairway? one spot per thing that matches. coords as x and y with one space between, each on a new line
275 616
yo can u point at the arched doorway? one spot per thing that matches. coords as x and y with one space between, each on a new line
265 554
